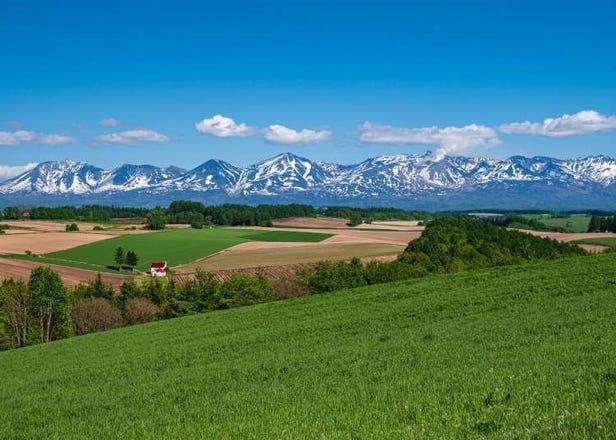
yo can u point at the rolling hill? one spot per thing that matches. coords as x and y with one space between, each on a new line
513 352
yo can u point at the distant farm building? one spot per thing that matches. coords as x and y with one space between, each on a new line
158 269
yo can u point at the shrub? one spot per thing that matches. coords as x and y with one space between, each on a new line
289 287
243 290
97 228
95 315
355 219
140 310
72 227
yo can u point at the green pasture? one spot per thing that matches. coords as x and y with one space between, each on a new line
602 241
572 223
513 352
174 246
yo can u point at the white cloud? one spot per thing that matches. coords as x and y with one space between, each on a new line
586 121
6 172
109 122
16 137
55 139
133 137
221 126
279 134
450 140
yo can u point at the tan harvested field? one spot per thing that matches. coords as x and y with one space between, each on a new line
241 256
59 226
309 222
341 223
17 231
349 235
571 236
593 248
42 243
343 245
20 269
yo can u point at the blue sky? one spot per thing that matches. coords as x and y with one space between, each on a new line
181 82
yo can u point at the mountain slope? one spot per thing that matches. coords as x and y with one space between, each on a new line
412 181
524 351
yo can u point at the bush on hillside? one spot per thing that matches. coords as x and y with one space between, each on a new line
243 290
140 310
95 315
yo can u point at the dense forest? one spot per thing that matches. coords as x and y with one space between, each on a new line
446 245
602 224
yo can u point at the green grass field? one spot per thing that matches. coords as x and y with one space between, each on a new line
573 223
603 241
174 246
514 352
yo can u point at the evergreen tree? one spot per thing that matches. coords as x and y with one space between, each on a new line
131 259
119 257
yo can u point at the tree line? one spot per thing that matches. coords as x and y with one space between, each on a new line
197 214
521 222
44 309
89 213
602 224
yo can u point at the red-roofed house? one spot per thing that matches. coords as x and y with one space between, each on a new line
158 269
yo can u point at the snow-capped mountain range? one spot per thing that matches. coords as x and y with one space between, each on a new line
409 181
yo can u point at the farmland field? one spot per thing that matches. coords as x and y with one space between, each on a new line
601 241
572 223
174 246
513 352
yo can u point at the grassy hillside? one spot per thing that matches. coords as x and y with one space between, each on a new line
174 246
513 352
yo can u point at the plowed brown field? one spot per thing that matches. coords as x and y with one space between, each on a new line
20 269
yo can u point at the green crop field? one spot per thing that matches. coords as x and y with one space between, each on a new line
573 223
287 236
513 352
603 241
174 246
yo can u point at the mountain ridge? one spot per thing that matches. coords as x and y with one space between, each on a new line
405 180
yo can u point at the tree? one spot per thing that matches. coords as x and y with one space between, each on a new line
119 257
595 224
11 213
50 303
15 305
131 259
72 227
156 219
355 219
196 220
95 288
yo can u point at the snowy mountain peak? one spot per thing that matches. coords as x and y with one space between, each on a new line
401 178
